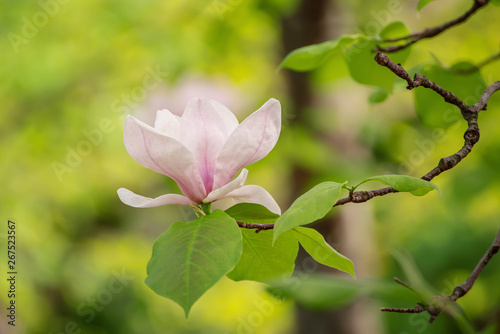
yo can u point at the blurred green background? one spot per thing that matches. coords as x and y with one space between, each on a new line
71 70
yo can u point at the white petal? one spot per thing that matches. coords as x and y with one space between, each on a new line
224 190
167 123
165 155
251 141
138 201
255 194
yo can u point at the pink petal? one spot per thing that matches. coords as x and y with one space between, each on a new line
255 194
230 121
165 155
167 123
203 131
138 201
223 191
251 141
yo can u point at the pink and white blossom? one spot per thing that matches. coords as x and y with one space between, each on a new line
202 151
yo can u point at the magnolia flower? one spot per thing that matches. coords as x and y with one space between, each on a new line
202 151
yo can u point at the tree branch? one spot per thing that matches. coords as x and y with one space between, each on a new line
418 80
471 135
430 32
470 114
438 303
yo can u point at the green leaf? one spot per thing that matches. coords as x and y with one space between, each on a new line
422 3
317 291
413 276
310 57
389 291
320 291
321 251
495 2
189 258
394 29
378 95
311 206
463 322
252 213
261 260
364 69
404 183
431 108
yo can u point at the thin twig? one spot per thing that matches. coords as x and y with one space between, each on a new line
430 32
402 283
478 66
257 227
416 309
465 287
438 303
418 80
364 196
482 104
488 60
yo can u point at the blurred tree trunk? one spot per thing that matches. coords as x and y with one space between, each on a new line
314 22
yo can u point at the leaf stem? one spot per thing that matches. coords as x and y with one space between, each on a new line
207 208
